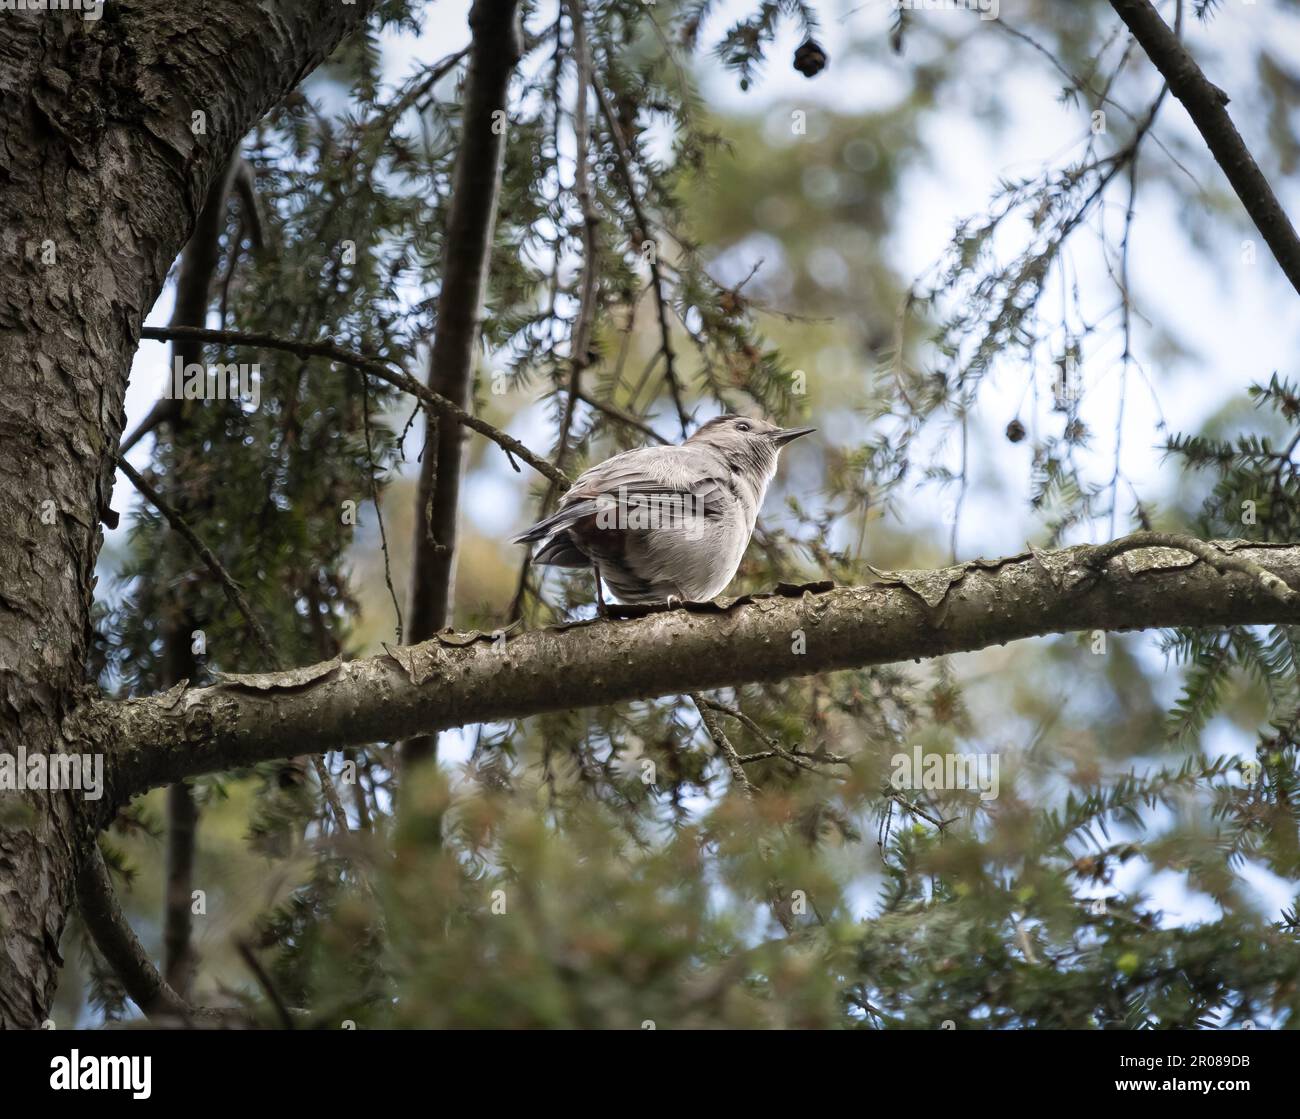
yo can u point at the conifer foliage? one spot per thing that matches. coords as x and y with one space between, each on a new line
747 856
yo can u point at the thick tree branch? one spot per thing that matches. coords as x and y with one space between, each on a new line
1205 550
121 948
237 599
1204 102
456 680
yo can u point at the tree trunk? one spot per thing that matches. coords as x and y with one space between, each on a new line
467 251
113 130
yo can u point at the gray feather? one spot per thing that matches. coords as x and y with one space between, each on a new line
663 522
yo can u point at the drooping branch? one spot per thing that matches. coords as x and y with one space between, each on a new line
214 565
623 163
1205 104
376 367
457 680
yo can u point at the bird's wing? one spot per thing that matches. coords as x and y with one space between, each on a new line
652 480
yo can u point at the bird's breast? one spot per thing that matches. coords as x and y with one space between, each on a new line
701 557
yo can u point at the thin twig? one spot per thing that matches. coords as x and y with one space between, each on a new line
264 981
723 744
580 338
1102 96
374 365
661 304
616 413
330 793
228 584
374 499
917 810
774 748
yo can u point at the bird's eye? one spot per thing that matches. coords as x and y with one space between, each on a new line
742 426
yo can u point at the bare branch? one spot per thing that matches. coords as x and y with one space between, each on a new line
377 367
163 410
263 978
776 894
331 794
774 748
1204 102
119 945
723 745
626 418
467 248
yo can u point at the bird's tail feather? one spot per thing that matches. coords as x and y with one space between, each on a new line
557 522
561 551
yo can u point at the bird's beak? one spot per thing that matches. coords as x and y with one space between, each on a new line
790 434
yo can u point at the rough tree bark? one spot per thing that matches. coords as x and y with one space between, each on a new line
112 132
1139 582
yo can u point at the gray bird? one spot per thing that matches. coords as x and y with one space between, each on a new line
667 523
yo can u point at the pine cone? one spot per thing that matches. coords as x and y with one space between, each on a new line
810 59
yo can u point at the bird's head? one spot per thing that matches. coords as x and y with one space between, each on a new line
737 432
748 444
